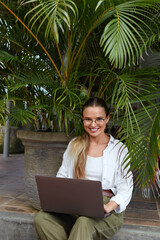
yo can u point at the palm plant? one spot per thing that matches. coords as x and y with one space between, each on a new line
62 52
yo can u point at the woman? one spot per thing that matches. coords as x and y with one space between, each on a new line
95 156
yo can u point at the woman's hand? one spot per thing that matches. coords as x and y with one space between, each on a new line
109 207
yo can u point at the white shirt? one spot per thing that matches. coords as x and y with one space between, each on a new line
114 175
93 169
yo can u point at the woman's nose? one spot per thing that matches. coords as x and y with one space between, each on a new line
93 123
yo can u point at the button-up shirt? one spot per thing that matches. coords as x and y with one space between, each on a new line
115 175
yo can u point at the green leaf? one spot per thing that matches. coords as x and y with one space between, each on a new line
55 13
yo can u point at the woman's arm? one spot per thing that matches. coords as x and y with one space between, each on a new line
67 168
123 183
63 170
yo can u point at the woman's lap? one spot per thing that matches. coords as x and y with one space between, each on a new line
61 226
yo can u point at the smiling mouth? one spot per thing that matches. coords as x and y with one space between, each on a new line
94 129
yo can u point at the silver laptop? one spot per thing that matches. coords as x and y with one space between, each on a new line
71 196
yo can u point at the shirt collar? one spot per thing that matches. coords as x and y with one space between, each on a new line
111 140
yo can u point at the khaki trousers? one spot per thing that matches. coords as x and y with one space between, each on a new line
63 226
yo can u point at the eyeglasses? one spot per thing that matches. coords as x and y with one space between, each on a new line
88 121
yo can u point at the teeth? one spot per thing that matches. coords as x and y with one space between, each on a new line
93 129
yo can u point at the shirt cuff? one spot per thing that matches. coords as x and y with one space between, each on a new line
119 200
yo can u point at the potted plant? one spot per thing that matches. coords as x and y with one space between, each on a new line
63 52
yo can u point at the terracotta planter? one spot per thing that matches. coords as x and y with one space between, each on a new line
43 156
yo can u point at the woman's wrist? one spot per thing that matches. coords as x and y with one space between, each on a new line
110 206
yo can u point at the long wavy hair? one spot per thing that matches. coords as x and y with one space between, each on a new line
78 147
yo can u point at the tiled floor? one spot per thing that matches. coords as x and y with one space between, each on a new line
12 198
143 212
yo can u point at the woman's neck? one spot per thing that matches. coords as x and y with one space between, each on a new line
97 146
100 140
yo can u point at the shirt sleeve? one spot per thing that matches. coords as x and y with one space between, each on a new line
124 184
64 170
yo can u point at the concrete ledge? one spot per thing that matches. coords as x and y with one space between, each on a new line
136 232
18 226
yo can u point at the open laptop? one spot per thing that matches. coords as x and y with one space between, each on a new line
71 196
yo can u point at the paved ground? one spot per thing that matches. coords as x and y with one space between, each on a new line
12 197
142 216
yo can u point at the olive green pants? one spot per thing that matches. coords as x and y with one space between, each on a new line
63 226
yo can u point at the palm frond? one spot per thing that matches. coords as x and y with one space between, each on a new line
56 13
132 89
143 147
126 35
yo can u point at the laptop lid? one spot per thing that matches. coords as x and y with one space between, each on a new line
71 196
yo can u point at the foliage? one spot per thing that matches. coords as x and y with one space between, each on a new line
140 127
55 54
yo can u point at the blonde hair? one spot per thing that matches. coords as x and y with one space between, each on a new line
77 151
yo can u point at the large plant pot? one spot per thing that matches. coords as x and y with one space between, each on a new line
43 156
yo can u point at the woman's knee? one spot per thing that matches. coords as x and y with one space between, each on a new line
84 221
39 218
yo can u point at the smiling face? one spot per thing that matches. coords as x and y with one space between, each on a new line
95 120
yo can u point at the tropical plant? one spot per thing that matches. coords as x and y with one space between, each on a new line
57 53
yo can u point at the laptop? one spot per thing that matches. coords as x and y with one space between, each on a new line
71 196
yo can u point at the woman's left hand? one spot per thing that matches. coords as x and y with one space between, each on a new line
109 207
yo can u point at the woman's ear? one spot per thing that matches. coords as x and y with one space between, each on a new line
108 118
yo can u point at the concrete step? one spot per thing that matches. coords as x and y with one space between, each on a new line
136 232
19 226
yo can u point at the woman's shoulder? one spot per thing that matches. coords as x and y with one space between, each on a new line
74 141
79 139
113 140
117 143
